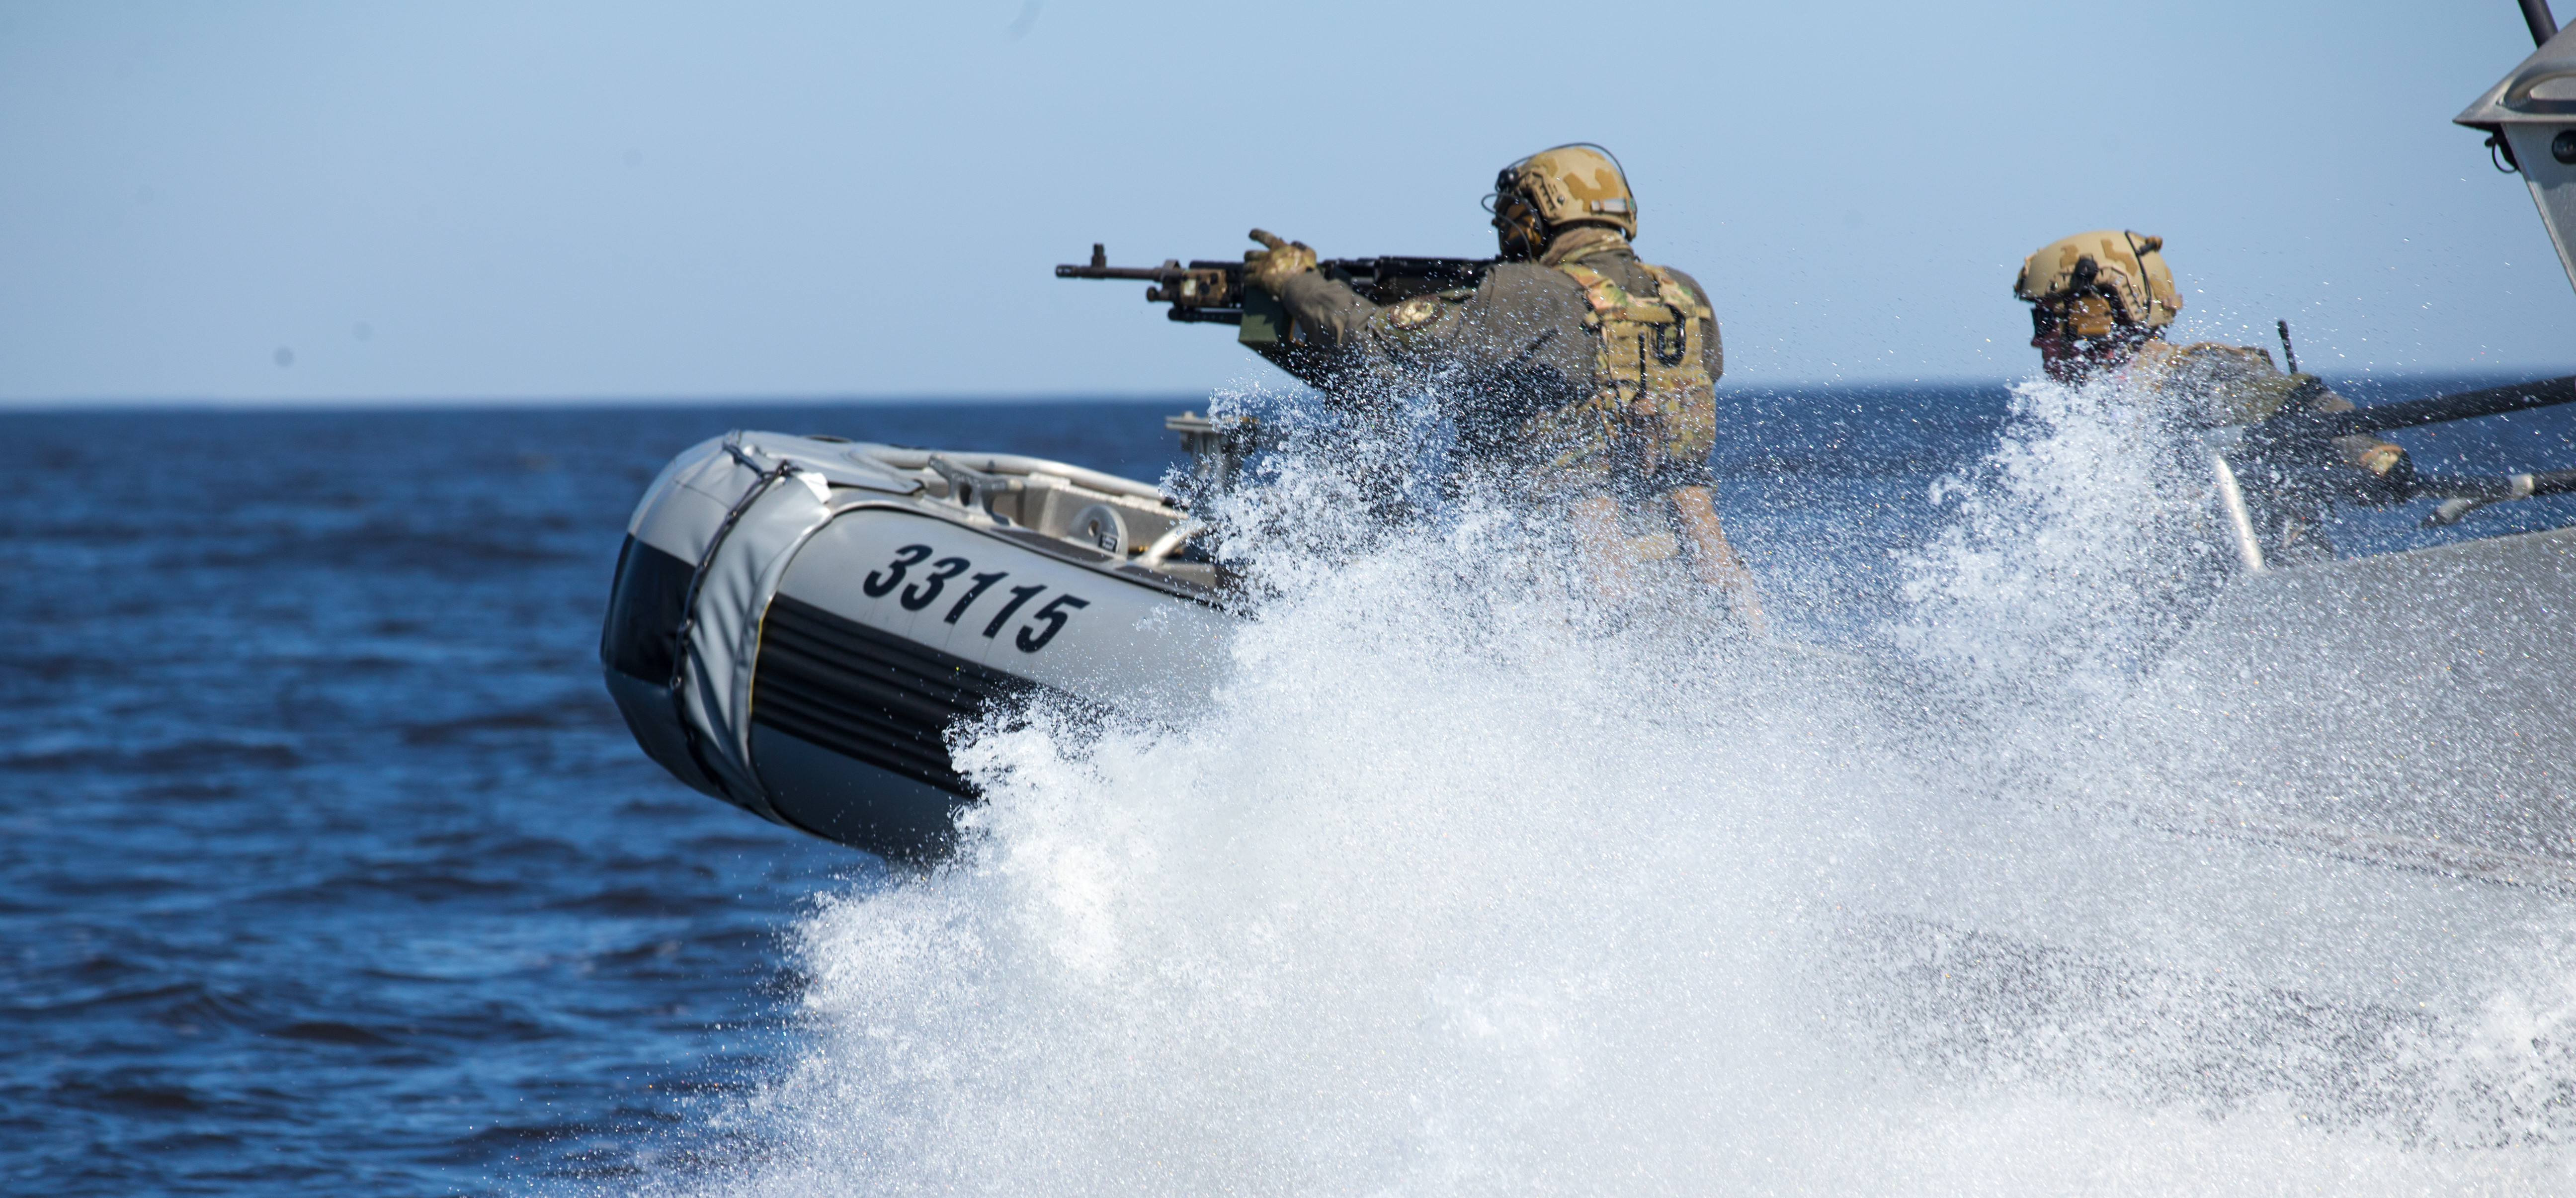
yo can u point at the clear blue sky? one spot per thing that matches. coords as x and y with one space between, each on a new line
579 200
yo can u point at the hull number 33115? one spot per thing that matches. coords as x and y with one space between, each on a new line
930 586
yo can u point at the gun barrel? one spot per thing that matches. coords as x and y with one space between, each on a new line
1148 274
2464 405
1099 268
2482 488
1207 291
2284 427
1212 288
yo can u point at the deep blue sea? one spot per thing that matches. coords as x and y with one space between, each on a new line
326 866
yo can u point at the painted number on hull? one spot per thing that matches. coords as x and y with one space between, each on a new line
925 589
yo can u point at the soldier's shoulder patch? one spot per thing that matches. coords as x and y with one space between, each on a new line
1414 313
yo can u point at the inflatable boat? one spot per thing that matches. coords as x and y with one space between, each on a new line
798 621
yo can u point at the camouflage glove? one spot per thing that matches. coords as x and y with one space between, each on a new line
1271 269
2385 474
2379 457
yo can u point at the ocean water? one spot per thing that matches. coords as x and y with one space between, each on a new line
330 869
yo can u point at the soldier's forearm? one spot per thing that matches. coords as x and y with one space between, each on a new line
1331 312
1715 560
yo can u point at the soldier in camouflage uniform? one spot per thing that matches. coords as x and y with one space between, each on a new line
1583 374
2100 302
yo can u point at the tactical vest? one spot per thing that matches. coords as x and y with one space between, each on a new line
1652 417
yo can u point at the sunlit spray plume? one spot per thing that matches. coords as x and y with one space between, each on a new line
2077 550
1453 890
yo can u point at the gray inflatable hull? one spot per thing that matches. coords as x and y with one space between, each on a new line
799 625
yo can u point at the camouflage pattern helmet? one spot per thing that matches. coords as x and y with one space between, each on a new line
2096 282
1566 184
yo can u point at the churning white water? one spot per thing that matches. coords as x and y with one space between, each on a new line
1462 887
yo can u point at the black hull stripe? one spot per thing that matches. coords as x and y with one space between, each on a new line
866 693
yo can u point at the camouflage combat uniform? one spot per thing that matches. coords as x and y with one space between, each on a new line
1585 371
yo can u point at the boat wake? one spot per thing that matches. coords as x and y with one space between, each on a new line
1462 886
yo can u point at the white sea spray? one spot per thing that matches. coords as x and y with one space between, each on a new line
1458 888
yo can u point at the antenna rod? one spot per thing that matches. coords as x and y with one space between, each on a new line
2544 26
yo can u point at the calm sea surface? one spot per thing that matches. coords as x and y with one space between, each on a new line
327 867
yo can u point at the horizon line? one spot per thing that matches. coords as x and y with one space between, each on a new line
32 405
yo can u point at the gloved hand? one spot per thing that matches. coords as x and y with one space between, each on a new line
2383 474
2374 455
1271 269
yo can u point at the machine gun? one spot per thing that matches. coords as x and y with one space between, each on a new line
1212 292
2460 494
2294 440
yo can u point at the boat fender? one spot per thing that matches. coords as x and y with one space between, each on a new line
728 596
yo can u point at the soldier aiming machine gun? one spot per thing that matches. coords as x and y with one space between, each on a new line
1205 292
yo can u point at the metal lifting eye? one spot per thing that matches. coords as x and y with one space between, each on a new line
2498 146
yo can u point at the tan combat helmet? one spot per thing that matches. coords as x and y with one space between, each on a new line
1566 184
2093 284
